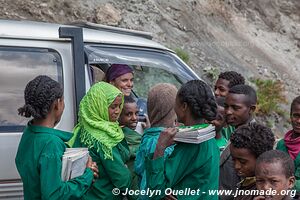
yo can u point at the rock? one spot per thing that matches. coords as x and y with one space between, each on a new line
108 14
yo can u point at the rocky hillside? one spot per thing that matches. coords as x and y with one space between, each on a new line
258 38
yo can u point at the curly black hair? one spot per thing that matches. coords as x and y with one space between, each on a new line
255 137
199 98
283 158
39 94
233 77
129 99
247 91
295 102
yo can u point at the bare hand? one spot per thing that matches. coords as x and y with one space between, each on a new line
170 197
147 123
93 166
165 139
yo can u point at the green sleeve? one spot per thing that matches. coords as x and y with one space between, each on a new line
183 171
52 187
116 169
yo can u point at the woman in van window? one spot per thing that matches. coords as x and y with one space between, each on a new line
121 76
99 130
41 147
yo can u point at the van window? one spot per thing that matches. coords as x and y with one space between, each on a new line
18 66
150 66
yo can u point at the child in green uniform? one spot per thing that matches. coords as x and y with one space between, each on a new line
99 130
191 170
128 121
291 141
160 106
275 170
39 156
247 143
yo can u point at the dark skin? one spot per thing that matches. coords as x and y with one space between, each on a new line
238 110
52 118
270 175
129 115
295 120
244 161
221 87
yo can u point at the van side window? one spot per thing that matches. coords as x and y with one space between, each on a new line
17 67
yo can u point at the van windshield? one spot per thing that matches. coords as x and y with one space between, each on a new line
150 66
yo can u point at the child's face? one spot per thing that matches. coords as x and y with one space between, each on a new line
271 176
114 109
295 118
221 87
237 112
244 161
129 115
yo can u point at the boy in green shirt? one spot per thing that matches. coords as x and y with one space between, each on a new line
39 156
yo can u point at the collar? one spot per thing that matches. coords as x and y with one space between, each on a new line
65 136
248 181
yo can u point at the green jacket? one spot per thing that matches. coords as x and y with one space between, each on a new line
112 173
190 166
39 163
282 147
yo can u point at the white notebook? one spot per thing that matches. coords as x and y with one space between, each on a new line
74 163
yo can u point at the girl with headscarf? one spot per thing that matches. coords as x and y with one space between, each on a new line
99 130
160 106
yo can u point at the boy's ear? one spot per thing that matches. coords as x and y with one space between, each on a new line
184 106
252 108
291 182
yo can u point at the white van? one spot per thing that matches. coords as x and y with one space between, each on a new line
76 57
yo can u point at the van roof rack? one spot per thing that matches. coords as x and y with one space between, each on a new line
95 26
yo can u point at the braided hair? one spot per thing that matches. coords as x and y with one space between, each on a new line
233 77
255 137
199 98
39 94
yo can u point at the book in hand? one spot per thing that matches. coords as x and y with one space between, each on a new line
195 134
74 163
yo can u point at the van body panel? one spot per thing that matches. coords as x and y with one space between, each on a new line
128 49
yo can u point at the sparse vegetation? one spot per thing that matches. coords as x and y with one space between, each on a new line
270 95
182 54
212 73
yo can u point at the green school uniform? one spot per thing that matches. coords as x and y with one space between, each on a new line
39 163
112 173
282 147
189 167
221 143
133 140
227 131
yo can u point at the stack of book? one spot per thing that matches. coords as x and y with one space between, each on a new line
195 134
74 163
